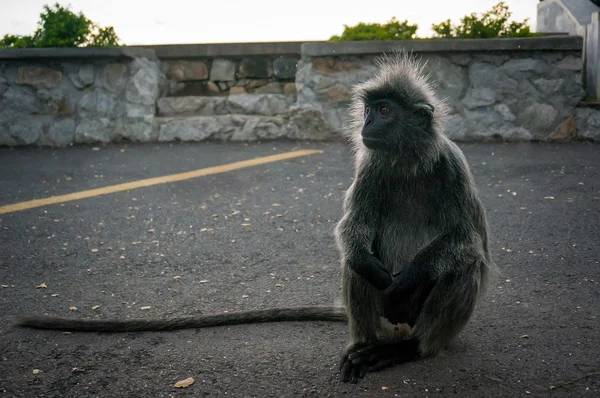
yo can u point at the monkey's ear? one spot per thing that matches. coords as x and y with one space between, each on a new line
425 109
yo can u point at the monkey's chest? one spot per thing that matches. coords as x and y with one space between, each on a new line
403 231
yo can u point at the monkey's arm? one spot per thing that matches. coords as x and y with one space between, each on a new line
355 234
453 252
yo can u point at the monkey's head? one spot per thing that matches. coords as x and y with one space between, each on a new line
397 109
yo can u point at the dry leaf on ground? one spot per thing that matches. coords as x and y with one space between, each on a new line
184 383
42 286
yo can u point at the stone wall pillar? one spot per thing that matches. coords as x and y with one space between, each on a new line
592 58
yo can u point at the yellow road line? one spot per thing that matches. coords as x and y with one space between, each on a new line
154 181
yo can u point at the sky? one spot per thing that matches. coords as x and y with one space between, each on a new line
139 22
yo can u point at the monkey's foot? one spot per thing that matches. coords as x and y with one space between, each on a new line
349 372
382 355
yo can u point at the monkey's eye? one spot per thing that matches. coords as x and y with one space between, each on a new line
384 110
367 109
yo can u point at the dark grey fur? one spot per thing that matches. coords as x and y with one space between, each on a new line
411 216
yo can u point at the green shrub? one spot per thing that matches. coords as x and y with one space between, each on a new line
104 37
490 24
392 30
60 27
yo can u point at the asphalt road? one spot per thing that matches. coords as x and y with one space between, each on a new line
261 237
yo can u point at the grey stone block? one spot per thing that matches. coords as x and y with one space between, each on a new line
247 104
524 65
270 88
571 62
97 102
505 112
255 67
187 70
61 132
222 70
548 86
87 74
451 80
285 67
489 76
225 127
186 106
197 128
137 111
479 97
91 131
113 76
588 123
20 100
537 117
309 123
26 131
260 104
137 129
143 85
290 89
5 137
38 76
84 77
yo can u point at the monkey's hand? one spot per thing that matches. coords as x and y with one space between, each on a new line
405 298
372 270
401 285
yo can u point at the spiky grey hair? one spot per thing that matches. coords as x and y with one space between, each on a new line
402 76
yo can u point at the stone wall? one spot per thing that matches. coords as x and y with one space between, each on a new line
514 89
232 68
520 89
62 96
94 99
203 76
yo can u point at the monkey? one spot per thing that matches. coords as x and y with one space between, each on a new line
413 237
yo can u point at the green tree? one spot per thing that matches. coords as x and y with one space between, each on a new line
104 37
392 30
490 24
13 41
60 27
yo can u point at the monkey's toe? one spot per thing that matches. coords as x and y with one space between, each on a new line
376 357
367 356
350 372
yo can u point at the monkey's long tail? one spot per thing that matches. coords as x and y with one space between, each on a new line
337 314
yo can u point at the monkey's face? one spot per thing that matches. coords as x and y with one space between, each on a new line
388 124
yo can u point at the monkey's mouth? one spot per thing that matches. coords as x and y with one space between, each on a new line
371 142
